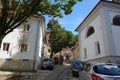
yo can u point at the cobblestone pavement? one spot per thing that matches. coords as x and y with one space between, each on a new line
39 75
64 71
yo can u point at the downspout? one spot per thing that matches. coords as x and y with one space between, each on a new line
36 45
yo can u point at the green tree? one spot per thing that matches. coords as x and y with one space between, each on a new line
56 38
59 37
70 39
15 12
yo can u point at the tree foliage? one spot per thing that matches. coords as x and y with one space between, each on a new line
59 37
15 12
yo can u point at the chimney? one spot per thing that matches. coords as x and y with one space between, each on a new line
117 1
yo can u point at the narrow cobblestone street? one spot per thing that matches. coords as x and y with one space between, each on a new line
63 73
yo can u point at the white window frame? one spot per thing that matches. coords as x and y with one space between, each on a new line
6 46
97 48
85 53
23 47
26 27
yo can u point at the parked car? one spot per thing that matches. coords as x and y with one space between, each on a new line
47 64
75 67
100 71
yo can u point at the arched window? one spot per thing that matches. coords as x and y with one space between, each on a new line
90 31
116 20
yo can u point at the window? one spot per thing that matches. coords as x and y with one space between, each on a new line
85 53
26 27
23 47
6 46
97 46
90 31
109 69
116 20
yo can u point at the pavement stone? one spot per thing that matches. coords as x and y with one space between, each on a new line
38 75
15 75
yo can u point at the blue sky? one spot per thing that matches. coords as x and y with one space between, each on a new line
80 11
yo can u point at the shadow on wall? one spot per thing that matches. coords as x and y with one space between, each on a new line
16 67
16 62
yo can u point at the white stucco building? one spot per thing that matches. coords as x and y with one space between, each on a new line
99 33
22 48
